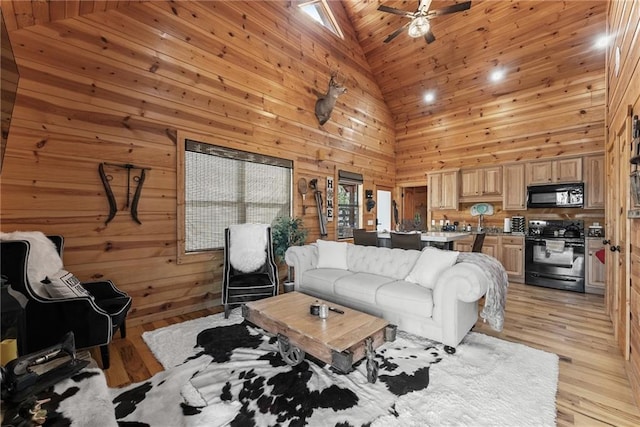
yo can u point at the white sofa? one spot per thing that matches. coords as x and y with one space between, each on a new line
442 307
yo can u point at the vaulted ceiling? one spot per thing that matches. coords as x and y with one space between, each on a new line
537 43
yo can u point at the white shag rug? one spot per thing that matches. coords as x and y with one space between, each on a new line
227 372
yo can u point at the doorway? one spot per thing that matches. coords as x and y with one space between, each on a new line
414 208
383 222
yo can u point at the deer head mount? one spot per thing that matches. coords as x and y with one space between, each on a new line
326 102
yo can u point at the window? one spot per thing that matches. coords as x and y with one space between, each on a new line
224 186
349 203
320 12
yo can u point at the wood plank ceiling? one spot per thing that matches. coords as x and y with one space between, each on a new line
512 35
20 13
552 96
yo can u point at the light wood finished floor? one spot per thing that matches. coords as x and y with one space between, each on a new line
593 389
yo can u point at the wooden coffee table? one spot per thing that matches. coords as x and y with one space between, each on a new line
340 340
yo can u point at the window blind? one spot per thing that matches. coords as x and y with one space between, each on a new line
225 186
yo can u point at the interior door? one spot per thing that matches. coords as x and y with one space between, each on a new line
383 222
617 259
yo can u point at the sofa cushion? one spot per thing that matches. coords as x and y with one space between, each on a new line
360 286
322 280
394 263
332 254
405 297
431 264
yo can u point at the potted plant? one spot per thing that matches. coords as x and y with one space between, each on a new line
287 232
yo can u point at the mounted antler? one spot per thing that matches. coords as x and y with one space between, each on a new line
326 102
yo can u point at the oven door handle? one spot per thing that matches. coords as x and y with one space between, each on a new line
544 276
566 244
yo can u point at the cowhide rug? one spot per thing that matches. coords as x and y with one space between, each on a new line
227 372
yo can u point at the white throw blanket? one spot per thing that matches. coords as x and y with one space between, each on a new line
496 297
247 246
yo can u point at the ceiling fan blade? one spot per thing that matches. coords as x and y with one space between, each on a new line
397 32
429 37
450 9
388 9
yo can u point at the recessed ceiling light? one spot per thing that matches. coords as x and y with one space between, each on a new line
430 96
497 75
602 42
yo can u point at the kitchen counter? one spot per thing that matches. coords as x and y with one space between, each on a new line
500 233
427 237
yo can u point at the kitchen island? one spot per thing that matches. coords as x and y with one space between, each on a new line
442 239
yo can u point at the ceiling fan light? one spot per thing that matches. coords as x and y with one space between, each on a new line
419 27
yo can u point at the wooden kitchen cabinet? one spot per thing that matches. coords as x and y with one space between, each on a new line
470 183
481 182
491 246
554 171
512 257
464 245
595 273
594 182
514 194
443 190
509 250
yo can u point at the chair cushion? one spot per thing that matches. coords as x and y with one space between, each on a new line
63 284
250 280
431 264
113 306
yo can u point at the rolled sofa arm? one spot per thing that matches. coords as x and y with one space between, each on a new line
463 281
301 258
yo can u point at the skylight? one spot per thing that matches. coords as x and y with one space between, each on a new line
320 12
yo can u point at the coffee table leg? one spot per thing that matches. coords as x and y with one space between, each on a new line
372 365
290 353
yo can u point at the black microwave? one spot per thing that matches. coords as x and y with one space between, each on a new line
556 196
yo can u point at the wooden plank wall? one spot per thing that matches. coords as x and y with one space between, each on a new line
9 87
623 21
116 86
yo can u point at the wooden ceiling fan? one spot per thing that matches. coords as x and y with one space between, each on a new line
419 25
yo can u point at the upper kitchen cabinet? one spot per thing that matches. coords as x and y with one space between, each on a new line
594 181
443 190
554 171
484 183
514 194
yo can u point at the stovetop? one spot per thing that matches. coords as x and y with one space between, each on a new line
556 229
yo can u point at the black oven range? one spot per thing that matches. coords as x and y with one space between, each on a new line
554 254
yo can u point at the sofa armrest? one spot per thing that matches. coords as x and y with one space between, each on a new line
463 281
301 258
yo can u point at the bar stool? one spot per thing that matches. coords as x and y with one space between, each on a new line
477 242
364 237
406 241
